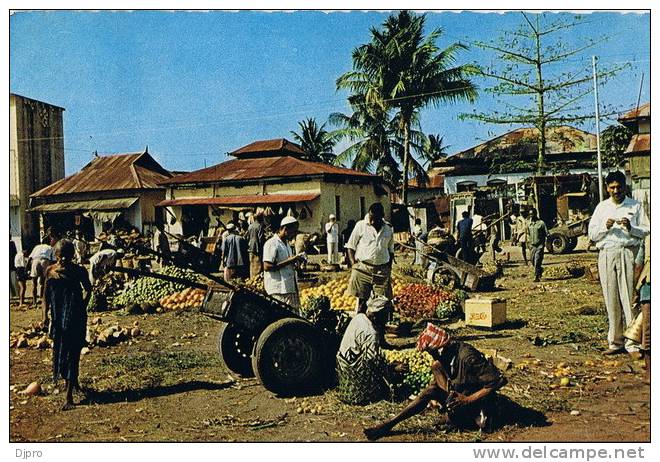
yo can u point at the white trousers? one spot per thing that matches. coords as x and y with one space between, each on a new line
615 270
333 252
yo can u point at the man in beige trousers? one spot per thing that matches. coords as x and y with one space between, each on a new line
618 226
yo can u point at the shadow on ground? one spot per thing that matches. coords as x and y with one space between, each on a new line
131 395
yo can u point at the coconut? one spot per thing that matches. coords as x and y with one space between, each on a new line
33 389
42 343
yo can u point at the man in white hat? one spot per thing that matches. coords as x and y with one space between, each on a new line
332 239
279 264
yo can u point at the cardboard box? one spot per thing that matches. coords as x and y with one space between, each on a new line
485 312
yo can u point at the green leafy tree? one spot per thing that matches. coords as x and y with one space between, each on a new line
614 141
403 70
374 141
434 150
536 81
317 143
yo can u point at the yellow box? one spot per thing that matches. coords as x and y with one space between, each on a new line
485 312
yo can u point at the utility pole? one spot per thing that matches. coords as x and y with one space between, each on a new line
600 165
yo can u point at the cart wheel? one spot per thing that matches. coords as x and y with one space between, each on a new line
572 243
446 278
288 356
558 243
235 348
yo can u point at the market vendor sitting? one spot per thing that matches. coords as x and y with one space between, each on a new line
369 327
464 383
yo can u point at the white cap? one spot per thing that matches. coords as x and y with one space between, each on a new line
231 226
249 214
287 221
331 216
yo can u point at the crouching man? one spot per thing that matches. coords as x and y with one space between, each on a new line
464 383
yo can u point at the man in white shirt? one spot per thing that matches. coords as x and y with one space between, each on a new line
332 239
371 253
618 226
42 257
279 264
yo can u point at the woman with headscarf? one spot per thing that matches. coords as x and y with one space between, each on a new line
464 383
67 306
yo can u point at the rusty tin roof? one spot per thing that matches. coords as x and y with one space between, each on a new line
644 111
262 168
251 199
275 147
110 173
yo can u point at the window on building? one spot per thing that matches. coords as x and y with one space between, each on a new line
338 207
363 207
464 186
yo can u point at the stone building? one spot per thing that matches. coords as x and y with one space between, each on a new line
36 159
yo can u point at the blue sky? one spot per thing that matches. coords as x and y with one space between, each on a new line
195 85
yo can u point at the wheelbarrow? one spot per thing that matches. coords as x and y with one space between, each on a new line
262 336
452 272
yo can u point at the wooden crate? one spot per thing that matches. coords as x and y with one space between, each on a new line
485 312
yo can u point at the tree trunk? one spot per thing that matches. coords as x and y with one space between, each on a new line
540 98
406 160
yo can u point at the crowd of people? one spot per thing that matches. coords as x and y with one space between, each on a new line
463 381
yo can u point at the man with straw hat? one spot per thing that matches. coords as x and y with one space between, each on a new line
463 382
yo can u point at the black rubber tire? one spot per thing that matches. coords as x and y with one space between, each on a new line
288 357
235 348
447 278
557 243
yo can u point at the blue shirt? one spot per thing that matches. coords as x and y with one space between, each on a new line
464 228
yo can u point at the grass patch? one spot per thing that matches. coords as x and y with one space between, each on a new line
148 370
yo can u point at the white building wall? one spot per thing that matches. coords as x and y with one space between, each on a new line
451 182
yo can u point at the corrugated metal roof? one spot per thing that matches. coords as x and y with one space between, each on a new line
436 181
252 199
637 113
639 143
561 139
278 146
263 168
74 206
109 173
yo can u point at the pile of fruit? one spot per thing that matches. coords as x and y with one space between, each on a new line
33 337
105 290
103 336
335 290
569 270
420 301
186 299
418 370
256 283
148 290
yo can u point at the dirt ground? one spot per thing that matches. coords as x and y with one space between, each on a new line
169 385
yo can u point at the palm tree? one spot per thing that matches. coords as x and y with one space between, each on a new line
403 70
434 150
375 142
317 143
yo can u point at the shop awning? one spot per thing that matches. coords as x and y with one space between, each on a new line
248 200
86 206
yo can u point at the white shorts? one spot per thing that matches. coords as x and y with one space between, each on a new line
39 267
